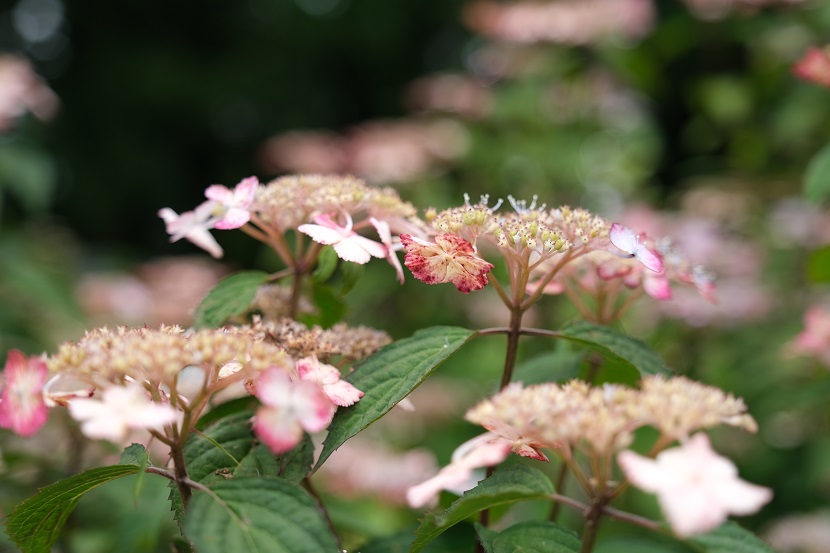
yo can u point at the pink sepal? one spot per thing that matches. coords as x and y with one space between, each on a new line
22 408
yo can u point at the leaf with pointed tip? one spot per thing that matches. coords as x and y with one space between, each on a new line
506 485
257 515
529 537
35 524
485 536
729 538
135 454
618 346
817 177
390 375
232 296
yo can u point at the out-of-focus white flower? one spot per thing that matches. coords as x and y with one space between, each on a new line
194 226
697 488
485 450
348 245
120 410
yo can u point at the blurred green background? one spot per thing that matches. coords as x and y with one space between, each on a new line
695 113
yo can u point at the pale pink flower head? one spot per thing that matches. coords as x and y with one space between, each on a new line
814 340
288 409
625 239
814 66
348 245
193 226
697 488
22 407
485 450
338 391
449 259
120 410
233 204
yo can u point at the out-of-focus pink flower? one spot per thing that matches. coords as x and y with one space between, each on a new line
234 203
625 239
349 245
193 226
120 410
449 259
697 488
814 340
328 377
22 90
484 450
22 408
289 408
563 21
315 152
814 66
450 93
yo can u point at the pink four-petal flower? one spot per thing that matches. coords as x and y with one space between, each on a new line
289 408
22 408
625 239
449 259
193 226
234 203
348 245
697 488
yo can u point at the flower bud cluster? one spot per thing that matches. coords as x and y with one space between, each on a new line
601 420
287 202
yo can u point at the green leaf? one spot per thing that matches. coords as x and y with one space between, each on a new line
485 536
390 375
326 264
396 543
560 365
29 174
506 485
232 296
35 524
729 538
616 346
232 407
135 454
228 449
818 266
817 177
257 515
530 537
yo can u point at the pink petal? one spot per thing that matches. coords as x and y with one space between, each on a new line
650 259
219 193
643 472
22 408
657 286
321 234
313 408
342 393
623 238
245 191
234 218
277 429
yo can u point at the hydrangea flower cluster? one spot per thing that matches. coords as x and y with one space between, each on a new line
599 422
120 380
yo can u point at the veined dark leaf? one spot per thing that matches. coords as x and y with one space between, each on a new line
232 296
618 346
390 375
817 177
257 515
35 524
506 485
729 538
536 536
